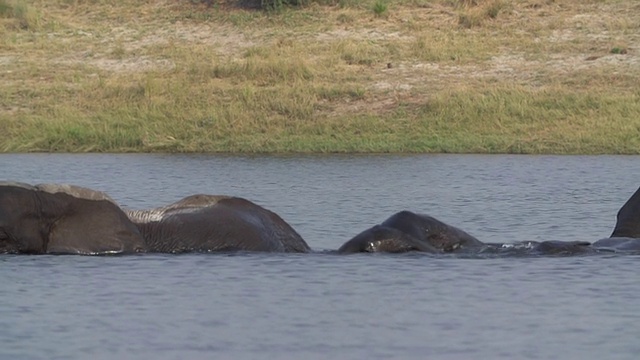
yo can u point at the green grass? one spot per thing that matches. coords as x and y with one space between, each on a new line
380 7
20 14
331 76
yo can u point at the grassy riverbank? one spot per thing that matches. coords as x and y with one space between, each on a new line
483 76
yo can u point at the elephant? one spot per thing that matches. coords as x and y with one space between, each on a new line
550 247
68 219
63 219
626 233
624 238
408 231
385 239
215 223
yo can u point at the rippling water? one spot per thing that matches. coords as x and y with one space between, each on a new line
319 306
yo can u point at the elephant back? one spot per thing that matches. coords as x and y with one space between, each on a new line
75 191
275 227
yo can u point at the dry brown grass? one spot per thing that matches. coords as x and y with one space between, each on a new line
429 76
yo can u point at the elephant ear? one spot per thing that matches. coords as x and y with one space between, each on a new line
628 219
90 224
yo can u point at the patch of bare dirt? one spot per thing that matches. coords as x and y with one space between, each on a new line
139 64
222 41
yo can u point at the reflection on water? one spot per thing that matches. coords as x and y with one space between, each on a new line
248 306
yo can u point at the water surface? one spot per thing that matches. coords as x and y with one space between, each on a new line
319 306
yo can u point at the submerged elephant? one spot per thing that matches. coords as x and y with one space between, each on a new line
552 247
67 219
63 219
624 238
385 239
626 233
210 223
408 231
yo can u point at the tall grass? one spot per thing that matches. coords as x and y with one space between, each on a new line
380 7
505 119
320 78
475 13
21 14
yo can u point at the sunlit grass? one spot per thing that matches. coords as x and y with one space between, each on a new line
20 14
461 76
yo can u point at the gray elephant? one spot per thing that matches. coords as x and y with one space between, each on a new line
385 239
551 247
626 233
624 238
210 223
408 231
63 219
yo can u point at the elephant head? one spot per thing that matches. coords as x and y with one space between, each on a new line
385 239
432 231
408 231
63 219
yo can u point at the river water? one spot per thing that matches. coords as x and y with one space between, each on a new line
324 306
